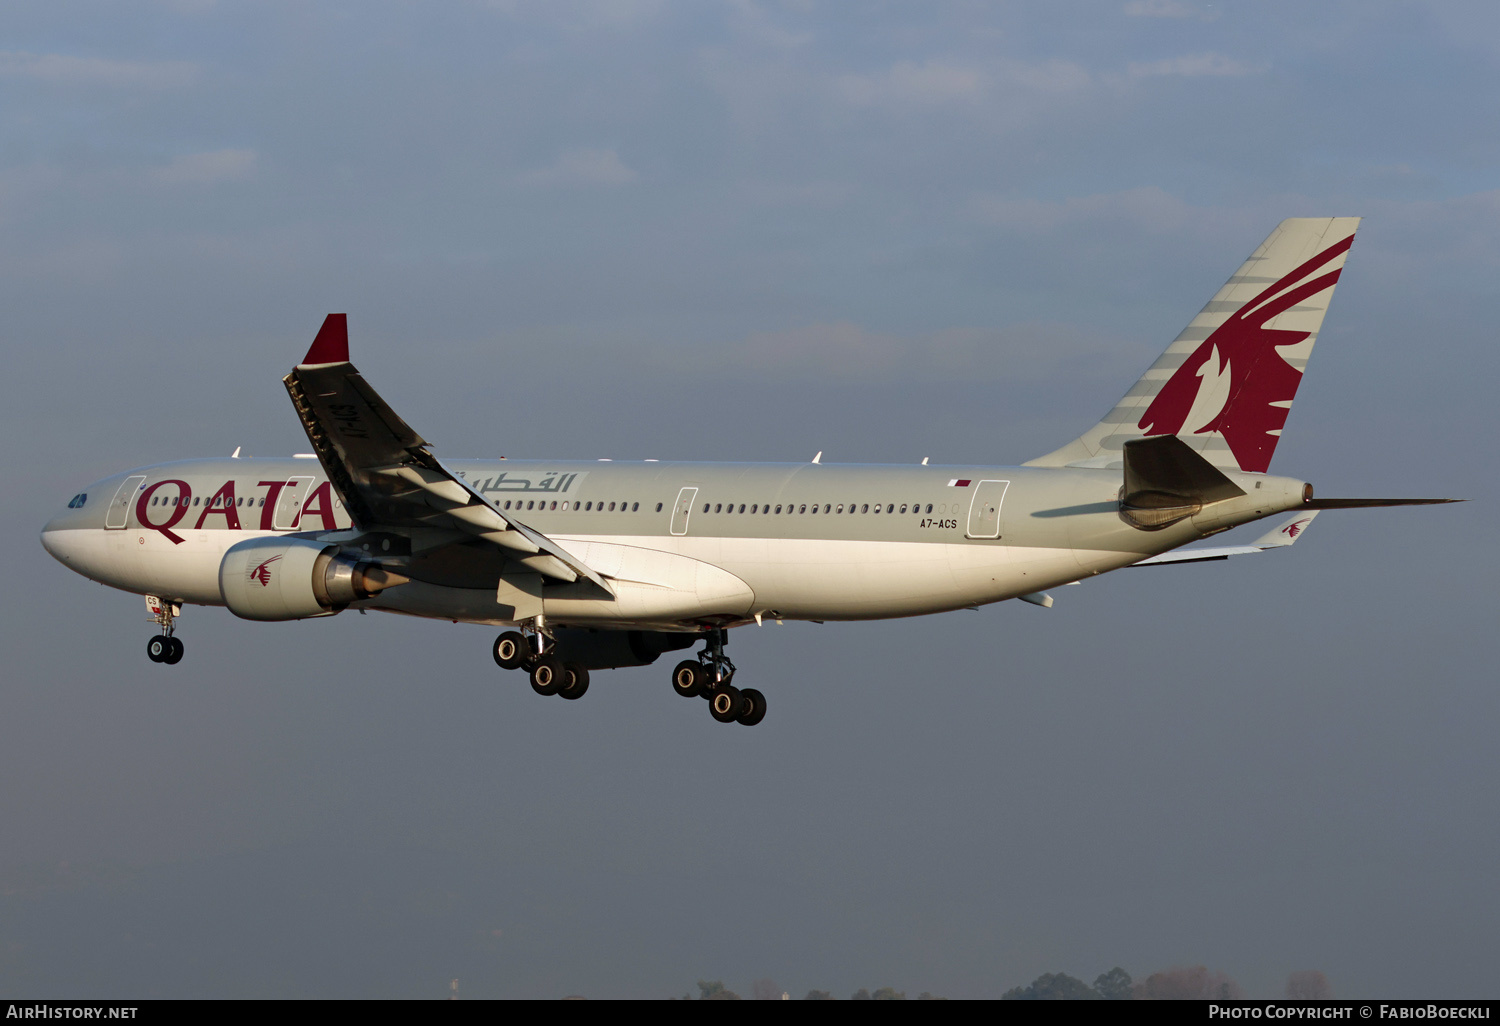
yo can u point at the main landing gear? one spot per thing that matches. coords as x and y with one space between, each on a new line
709 677
535 651
164 648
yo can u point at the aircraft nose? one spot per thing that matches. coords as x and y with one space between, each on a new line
52 539
64 542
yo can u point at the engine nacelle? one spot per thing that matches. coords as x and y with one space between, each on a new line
608 650
294 578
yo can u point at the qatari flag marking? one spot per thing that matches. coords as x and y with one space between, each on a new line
959 482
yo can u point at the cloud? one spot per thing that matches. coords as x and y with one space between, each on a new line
910 83
845 351
583 167
1160 9
1148 207
579 15
60 69
1195 66
751 22
206 168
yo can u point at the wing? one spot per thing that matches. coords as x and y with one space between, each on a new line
388 477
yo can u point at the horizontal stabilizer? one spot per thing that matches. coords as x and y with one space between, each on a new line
1370 503
1282 535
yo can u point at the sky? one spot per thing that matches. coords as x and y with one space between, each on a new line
752 231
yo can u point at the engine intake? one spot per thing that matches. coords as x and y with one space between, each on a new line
294 578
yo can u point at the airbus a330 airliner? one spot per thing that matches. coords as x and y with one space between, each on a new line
594 565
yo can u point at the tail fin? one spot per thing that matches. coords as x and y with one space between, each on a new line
1225 385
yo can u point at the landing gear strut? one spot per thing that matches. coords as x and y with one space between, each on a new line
534 649
709 677
164 648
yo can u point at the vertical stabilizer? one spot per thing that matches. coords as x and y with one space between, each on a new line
1226 384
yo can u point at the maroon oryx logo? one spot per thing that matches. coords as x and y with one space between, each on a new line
262 573
1295 527
1261 384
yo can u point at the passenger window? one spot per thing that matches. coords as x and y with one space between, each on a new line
865 508
802 509
531 504
634 506
903 507
718 507
929 507
841 507
742 507
754 507
877 507
778 509
892 508
611 507
554 503
658 507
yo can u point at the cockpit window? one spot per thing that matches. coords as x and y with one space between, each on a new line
77 501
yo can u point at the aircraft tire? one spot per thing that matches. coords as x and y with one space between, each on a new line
575 681
158 648
724 703
547 675
173 657
688 678
753 705
510 650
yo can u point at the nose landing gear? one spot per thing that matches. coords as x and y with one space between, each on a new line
164 648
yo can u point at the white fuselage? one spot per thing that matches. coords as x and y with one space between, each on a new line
683 545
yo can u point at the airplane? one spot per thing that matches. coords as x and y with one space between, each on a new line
592 565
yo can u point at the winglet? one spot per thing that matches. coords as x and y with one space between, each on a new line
332 343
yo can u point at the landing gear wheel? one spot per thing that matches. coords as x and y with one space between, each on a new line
158 648
547 675
575 681
173 657
510 650
724 704
688 679
753 707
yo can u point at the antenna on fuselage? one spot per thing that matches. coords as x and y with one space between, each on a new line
236 454
819 457
925 459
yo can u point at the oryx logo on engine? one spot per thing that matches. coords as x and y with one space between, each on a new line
262 572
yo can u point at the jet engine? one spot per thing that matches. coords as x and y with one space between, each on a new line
293 578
